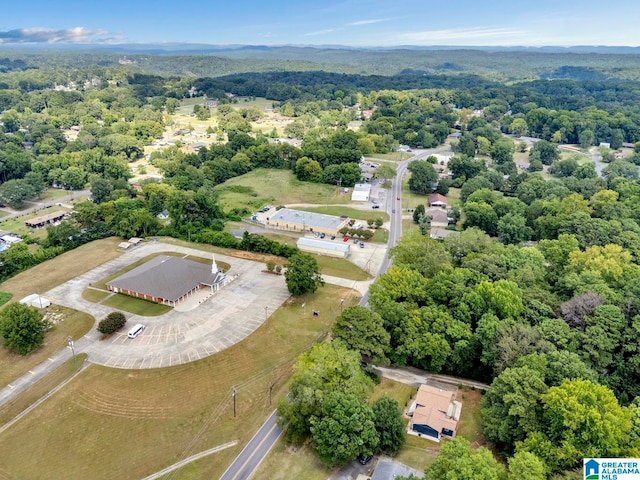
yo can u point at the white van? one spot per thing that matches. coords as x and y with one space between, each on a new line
135 330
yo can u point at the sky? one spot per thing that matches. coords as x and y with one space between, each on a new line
361 23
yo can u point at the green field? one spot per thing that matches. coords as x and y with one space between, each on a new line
136 306
276 187
167 414
348 211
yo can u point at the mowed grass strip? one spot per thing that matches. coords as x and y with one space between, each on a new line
75 324
34 393
339 267
276 187
131 423
137 306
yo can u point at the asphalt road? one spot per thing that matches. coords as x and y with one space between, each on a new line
245 464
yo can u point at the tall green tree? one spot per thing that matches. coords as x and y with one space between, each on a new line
457 461
344 429
326 368
22 328
389 425
423 177
302 274
363 330
511 407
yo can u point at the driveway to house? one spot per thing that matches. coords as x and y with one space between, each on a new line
203 325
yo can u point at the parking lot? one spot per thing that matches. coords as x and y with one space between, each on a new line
191 330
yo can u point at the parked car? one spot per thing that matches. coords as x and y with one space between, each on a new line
364 459
361 244
322 235
375 206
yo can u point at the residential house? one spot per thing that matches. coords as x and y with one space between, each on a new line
439 217
437 200
434 413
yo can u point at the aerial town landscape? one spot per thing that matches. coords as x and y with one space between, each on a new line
338 240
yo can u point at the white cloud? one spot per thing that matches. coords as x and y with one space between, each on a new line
439 36
50 35
319 32
367 22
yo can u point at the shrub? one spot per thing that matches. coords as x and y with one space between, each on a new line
270 266
112 323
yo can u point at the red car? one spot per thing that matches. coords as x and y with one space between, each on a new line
345 239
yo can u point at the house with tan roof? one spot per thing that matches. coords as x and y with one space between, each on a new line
434 413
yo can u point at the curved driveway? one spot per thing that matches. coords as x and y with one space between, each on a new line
201 326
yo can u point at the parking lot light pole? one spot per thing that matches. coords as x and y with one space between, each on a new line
71 346
233 394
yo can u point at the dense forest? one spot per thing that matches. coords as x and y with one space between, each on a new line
538 295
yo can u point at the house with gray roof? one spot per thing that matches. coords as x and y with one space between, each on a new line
168 280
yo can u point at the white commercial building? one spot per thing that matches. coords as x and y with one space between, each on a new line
361 192
336 248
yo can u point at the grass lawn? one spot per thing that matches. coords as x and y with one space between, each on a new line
5 297
285 462
75 324
32 394
339 267
418 452
4 213
470 426
64 267
136 306
169 413
53 194
350 212
95 296
381 235
400 392
276 187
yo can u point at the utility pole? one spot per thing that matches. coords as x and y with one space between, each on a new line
233 394
73 351
270 389
341 302
266 313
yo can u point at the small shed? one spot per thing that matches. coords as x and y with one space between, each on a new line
35 300
324 247
361 192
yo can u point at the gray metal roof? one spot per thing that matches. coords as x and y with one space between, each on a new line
337 246
362 187
309 219
166 277
388 470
